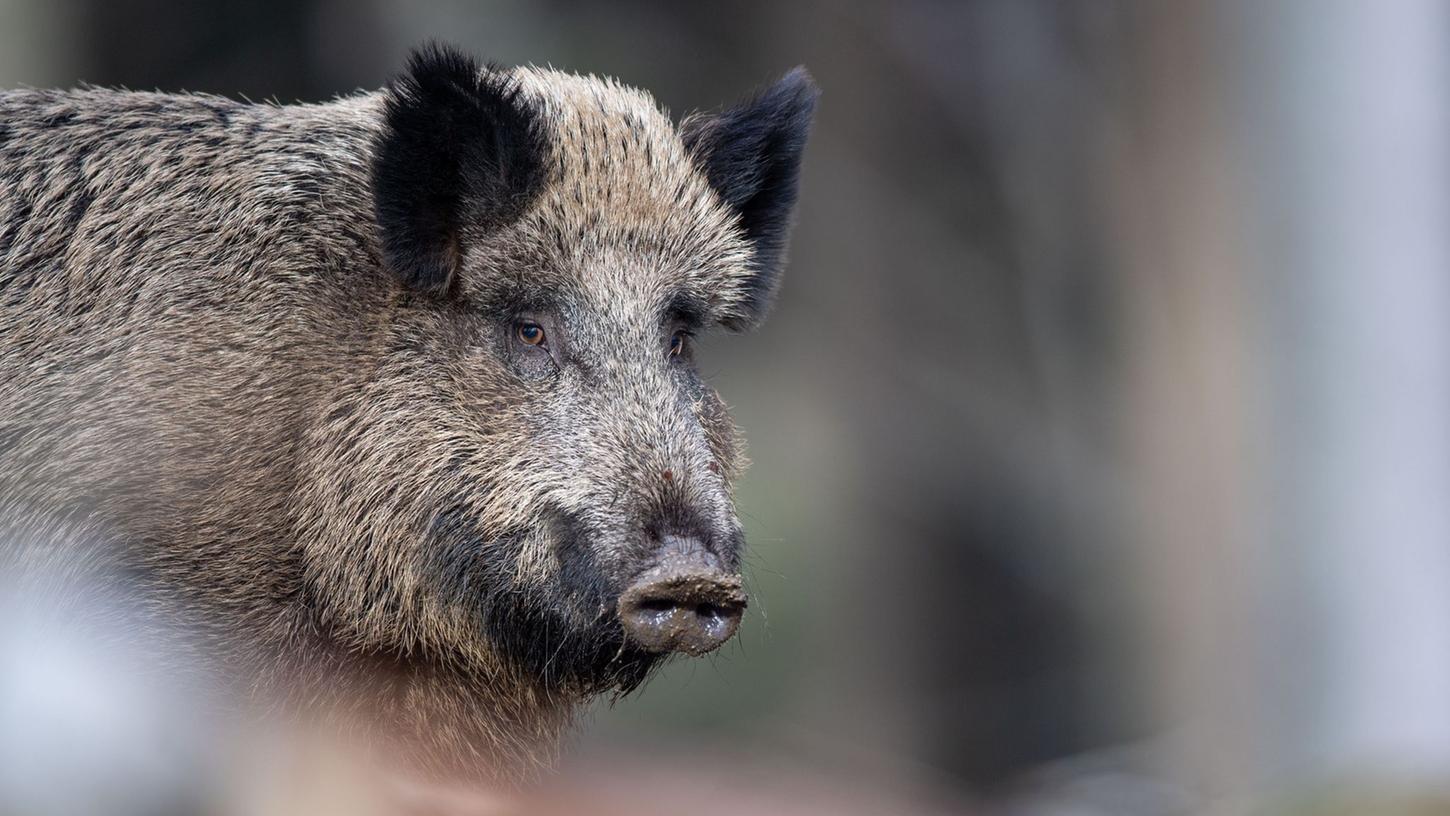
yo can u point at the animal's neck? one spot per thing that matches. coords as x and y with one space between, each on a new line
426 718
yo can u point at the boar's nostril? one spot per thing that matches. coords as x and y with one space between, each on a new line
686 607
653 606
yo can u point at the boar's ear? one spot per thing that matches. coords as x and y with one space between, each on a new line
751 154
460 151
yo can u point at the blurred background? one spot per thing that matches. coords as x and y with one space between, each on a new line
1102 429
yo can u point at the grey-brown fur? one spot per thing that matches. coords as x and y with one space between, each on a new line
215 384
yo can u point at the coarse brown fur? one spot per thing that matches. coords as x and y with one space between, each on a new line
243 376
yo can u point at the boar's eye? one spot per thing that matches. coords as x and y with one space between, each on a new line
678 341
530 334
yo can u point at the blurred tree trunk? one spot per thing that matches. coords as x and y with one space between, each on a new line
1283 202
1345 127
1188 397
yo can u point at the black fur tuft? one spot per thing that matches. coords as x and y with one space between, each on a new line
751 154
563 633
460 150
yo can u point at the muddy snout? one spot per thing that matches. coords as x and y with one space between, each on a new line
687 602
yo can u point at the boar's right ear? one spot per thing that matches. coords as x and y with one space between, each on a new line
460 151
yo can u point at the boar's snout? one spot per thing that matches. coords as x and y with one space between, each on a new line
686 602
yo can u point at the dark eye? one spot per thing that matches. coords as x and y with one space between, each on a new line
678 341
530 334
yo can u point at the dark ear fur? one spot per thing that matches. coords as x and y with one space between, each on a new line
460 150
751 154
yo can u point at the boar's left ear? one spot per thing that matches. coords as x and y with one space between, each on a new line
460 152
752 154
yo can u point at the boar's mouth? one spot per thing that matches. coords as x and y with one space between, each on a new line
561 630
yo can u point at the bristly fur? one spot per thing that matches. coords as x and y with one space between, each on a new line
262 362
752 154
